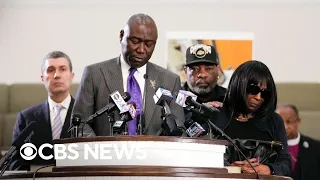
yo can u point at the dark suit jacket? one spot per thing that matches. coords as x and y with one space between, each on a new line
42 133
101 79
308 161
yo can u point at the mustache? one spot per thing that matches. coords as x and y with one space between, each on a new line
201 81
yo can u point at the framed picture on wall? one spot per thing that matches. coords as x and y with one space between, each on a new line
233 48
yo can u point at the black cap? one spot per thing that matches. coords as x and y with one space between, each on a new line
201 53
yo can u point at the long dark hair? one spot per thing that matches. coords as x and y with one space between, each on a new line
236 98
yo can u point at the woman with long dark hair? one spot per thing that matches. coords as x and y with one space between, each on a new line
248 113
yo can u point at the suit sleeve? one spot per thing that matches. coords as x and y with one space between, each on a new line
84 101
19 126
177 110
283 165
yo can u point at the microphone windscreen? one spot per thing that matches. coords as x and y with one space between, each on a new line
126 96
182 96
22 137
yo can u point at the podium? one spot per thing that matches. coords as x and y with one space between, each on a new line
139 157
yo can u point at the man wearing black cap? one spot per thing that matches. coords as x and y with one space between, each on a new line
202 75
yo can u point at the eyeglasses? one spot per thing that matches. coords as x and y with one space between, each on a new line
255 89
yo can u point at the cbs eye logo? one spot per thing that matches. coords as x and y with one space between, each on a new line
28 151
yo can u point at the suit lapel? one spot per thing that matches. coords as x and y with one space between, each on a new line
113 76
43 117
151 85
303 152
66 125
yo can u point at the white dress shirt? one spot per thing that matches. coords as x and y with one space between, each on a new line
293 142
138 75
63 113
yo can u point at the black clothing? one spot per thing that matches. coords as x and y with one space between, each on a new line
272 126
308 161
246 130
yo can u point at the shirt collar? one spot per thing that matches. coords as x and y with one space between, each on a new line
142 70
65 103
293 142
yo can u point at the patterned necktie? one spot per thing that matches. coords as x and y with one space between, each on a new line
57 122
136 97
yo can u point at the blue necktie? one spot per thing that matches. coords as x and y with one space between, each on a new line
134 89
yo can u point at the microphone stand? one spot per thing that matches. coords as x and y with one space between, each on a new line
76 123
141 123
231 141
5 166
210 131
111 120
165 111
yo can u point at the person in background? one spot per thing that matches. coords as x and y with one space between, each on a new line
201 69
248 112
53 115
202 75
304 150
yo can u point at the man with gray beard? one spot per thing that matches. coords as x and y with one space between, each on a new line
202 75
201 70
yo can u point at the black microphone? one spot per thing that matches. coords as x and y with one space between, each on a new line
127 113
170 127
76 121
22 138
169 123
194 129
141 121
117 102
202 109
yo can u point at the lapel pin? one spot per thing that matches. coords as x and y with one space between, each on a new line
306 144
153 84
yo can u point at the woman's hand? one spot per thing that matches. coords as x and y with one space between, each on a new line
246 168
261 169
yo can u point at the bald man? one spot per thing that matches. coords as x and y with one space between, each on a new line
130 72
304 150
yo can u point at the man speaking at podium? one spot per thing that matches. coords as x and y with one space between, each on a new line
131 72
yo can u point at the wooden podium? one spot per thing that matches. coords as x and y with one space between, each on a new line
140 157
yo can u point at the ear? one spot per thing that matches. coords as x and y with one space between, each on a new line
41 78
72 75
121 34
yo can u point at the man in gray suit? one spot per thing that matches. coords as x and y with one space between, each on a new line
138 40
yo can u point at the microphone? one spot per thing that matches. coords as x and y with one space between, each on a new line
141 122
170 127
169 123
128 112
201 109
117 101
194 129
22 138
162 96
76 121
182 96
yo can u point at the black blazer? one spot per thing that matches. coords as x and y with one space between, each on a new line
42 133
308 161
